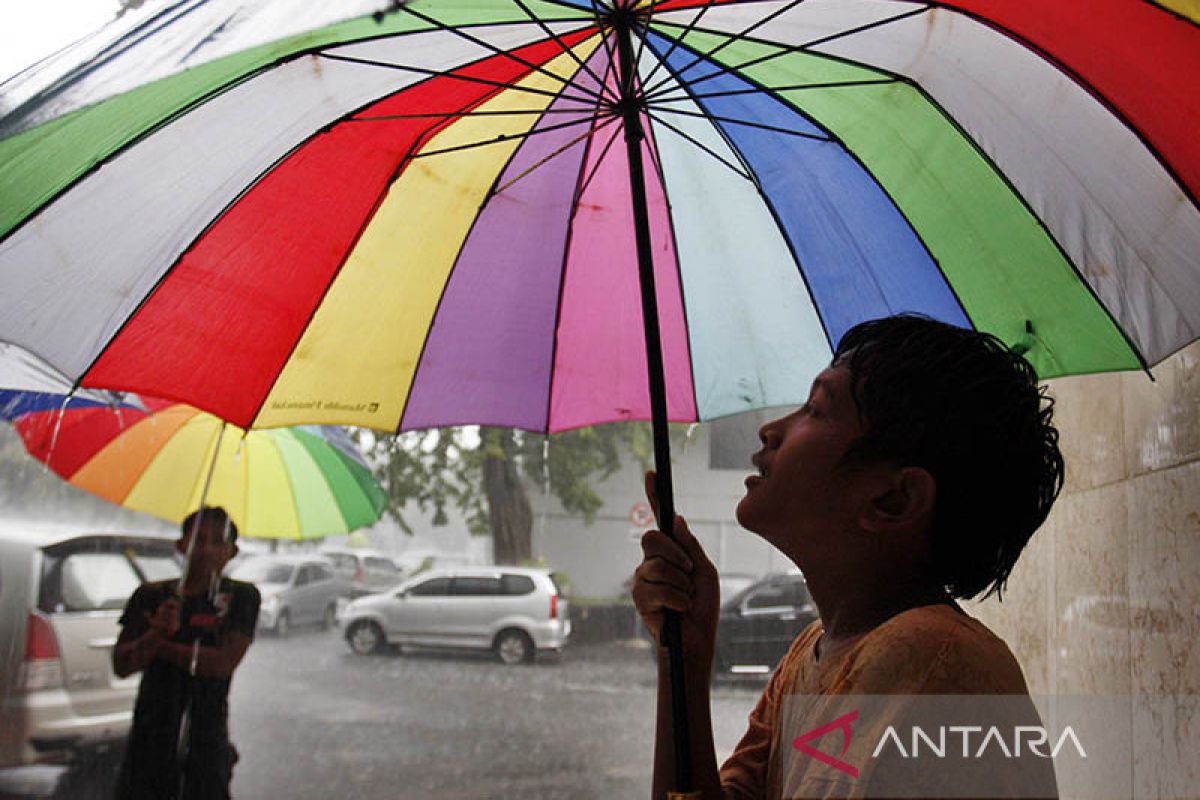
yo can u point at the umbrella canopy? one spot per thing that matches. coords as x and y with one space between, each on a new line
155 456
425 219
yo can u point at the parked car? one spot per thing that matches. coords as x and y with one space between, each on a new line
512 611
757 626
363 571
62 592
296 590
731 583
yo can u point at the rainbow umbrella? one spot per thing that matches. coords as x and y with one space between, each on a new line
156 456
554 213
427 220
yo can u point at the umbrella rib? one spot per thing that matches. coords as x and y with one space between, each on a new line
569 51
700 57
735 121
596 166
465 114
679 131
774 212
131 38
441 74
562 271
641 32
675 41
665 98
492 192
502 138
605 32
493 48
652 136
604 120
784 50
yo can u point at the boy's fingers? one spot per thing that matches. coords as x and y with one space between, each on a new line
689 543
659 573
655 544
651 598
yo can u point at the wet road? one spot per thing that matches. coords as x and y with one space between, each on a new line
313 720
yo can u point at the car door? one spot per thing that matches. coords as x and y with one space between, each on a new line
300 600
382 573
325 589
416 614
85 584
471 609
765 628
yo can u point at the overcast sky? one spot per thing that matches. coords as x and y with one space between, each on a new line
32 29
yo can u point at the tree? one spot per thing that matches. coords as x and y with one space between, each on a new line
483 473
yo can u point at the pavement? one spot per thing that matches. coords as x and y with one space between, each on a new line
312 721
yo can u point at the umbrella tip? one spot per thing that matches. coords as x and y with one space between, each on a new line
392 7
1025 343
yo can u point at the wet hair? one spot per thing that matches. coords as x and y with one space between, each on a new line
966 408
210 515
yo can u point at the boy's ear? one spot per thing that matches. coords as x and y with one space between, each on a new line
902 502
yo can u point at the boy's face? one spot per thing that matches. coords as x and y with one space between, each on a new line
801 487
211 552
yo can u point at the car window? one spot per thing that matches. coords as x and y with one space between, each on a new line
771 596
476 586
157 567
381 565
303 576
432 587
321 572
516 584
342 560
94 581
264 572
800 595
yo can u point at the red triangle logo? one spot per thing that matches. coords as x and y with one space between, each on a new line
842 723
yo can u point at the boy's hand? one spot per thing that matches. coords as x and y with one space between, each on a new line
165 618
677 574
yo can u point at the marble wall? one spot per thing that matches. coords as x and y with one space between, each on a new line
1106 600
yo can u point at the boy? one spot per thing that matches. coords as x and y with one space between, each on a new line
188 644
920 466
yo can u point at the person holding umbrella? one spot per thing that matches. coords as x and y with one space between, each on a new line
188 637
921 465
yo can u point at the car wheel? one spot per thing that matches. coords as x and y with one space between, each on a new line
514 647
330 618
283 625
365 637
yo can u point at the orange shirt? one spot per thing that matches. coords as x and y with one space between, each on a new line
928 650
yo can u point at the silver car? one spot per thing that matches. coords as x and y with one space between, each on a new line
61 594
513 611
296 590
363 571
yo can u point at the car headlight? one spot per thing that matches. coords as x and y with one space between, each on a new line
271 601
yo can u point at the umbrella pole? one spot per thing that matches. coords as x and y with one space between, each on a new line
672 635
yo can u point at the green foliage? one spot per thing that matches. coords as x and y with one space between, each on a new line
442 469
435 469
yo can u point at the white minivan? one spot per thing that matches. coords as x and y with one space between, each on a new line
513 611
62 592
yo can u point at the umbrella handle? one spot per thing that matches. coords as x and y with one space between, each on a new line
672 633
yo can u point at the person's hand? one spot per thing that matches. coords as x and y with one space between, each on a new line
165 619
677 574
